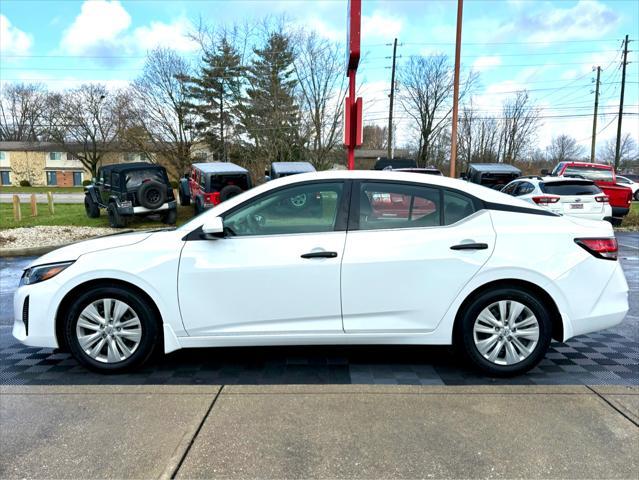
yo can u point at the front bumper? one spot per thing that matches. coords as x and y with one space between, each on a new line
41 315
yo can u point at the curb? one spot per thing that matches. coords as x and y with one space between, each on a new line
29 252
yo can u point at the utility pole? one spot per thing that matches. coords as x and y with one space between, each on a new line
594 118
390 107
623 85
453 140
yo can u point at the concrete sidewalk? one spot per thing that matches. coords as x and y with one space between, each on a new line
350 431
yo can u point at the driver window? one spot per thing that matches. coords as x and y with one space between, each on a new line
308 208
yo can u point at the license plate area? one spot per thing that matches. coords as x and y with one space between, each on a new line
576 206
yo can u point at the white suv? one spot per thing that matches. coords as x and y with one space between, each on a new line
576 197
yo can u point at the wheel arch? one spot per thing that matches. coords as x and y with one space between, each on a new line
65 304
529 287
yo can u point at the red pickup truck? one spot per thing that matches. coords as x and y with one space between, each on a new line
605 178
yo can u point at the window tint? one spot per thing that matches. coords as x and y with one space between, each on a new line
591 173
456 207
393 205
134 178
570 188
524 188
307 208
510 188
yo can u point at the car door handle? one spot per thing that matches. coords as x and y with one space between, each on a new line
320 255
470 246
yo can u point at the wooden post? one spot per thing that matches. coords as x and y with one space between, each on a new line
50 202
34 206
17 213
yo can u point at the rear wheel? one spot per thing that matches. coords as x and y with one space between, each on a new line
637 195
185 200
90 207
115 219
110 329
504 332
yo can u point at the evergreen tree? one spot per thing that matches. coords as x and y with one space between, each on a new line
270 110
214 96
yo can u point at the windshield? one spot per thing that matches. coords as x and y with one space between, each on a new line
570 188
591 173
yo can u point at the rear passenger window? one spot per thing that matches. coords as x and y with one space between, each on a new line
456 207
393 205
524 188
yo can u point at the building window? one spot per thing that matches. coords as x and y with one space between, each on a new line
5 179
77 179
3 156
132 157
52 178
55 156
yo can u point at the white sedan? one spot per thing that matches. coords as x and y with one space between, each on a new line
371 258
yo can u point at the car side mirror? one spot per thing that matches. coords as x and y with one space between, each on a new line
213 227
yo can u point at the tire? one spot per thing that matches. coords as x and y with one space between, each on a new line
90 207
229 191
637 195
139 336
473 327
184 200
170 217
115 219
152 194
198 207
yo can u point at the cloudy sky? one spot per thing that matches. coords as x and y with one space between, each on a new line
547 47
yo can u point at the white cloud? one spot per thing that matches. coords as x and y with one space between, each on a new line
97 29
159 34
325 30
380 25
486 62
13 41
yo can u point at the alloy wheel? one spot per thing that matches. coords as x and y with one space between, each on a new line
108 330
506 332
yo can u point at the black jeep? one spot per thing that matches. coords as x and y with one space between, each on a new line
129 189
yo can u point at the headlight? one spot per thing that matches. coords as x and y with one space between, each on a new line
41 273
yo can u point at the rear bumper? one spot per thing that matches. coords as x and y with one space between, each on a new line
620 211
172 205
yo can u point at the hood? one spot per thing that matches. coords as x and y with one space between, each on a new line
75 250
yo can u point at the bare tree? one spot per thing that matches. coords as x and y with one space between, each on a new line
21 110
628 151
426 94
478 139
321 82
160 110
563 148
519 124
86 122
375 137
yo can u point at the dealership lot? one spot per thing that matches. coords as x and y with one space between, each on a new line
608 357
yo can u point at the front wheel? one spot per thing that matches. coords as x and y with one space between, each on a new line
637 195
90 207
115 219
110 329
504 332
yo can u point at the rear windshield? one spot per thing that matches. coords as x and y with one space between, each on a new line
591 173
570 188
135 177
218 182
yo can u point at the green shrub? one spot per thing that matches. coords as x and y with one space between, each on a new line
25 183
86 182
174 184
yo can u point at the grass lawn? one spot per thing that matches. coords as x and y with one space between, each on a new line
17 189
73 214
632 219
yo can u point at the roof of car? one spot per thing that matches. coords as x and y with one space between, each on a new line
588 164
124 167
219 167
551 179
494 167
292 167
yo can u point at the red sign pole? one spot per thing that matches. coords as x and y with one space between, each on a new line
352 114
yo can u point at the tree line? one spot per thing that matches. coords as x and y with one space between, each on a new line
267 93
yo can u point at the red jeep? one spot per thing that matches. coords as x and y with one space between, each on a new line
605 178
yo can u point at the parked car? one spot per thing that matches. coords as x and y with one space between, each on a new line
492 274
632 176
491 175
627 182
284 169
604 176
212 183
131 189
562 195
382 163
424 170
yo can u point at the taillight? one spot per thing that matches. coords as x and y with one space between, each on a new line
599 247
545 199
602 199
213 198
